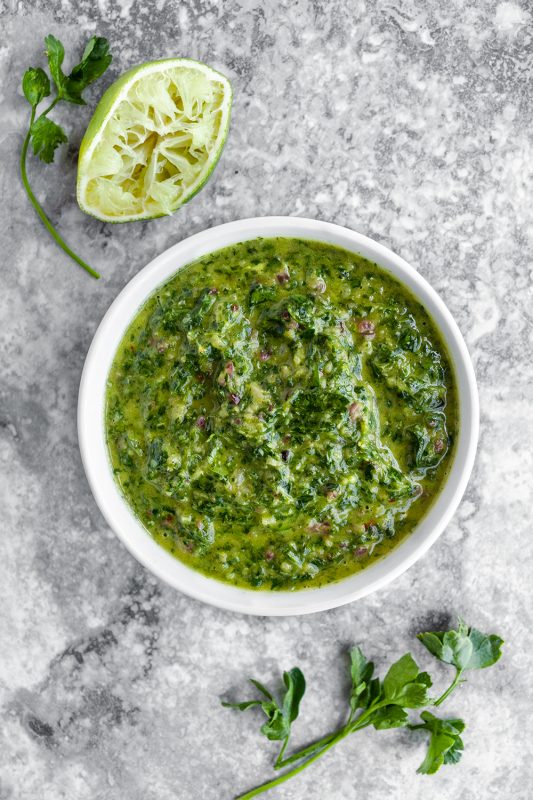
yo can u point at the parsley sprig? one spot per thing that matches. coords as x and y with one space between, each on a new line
44 134
381 704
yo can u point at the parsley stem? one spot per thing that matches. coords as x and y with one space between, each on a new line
351 726
46 111
279 760
450 688
264 787
36 205
314 751
309 750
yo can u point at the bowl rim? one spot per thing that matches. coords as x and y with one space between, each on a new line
114 507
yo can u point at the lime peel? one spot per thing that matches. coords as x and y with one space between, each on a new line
153 141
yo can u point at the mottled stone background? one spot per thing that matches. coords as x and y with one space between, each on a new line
410 122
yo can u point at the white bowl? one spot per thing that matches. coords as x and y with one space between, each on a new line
117 511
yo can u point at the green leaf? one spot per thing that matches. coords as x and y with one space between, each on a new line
242 706
486 650
56 53
402 672
404 685
46 136
389 717
445 743
35 85
361 672
295 683
96 59
278 726
464 648
261 688
260 294
413 695
279 716
374 691
455 752
358 666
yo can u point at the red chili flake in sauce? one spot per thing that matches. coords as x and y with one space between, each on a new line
234 307
264 355
200 377
201 422
168 520
213 290
269 555
361 551
367 328
439 445
230 369
283 277
285 455
234 399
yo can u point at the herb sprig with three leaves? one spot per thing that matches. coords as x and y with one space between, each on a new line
381 704
44 134
280 716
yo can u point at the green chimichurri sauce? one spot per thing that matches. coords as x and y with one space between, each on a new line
281 413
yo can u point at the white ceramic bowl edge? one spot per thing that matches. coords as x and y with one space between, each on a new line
128 528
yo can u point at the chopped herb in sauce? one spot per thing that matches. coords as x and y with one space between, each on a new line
281 413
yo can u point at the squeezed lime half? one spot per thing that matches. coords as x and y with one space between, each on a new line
153 141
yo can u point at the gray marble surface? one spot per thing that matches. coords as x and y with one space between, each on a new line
408 121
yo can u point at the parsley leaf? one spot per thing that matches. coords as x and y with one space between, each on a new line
364 689
404 685
465 648
445 743
389 717
56 53
295 683
280 716
96 59
35 85
46 136
381 704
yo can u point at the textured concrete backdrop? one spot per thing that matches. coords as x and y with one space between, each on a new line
407 121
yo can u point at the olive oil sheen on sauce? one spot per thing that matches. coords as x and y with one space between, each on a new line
281 413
